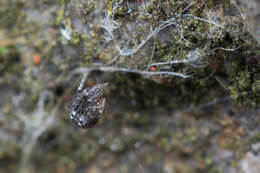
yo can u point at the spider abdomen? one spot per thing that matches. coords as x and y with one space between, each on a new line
88 106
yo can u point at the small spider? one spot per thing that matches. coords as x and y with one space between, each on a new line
88 105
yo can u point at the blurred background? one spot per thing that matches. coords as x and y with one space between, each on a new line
183 93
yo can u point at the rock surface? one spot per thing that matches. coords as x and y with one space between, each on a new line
183 93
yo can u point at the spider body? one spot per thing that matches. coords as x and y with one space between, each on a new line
88 105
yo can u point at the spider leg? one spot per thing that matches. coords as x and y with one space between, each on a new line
105 84
82 83
102 105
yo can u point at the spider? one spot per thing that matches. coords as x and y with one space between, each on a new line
88 105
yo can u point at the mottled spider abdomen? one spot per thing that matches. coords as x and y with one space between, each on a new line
88 105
